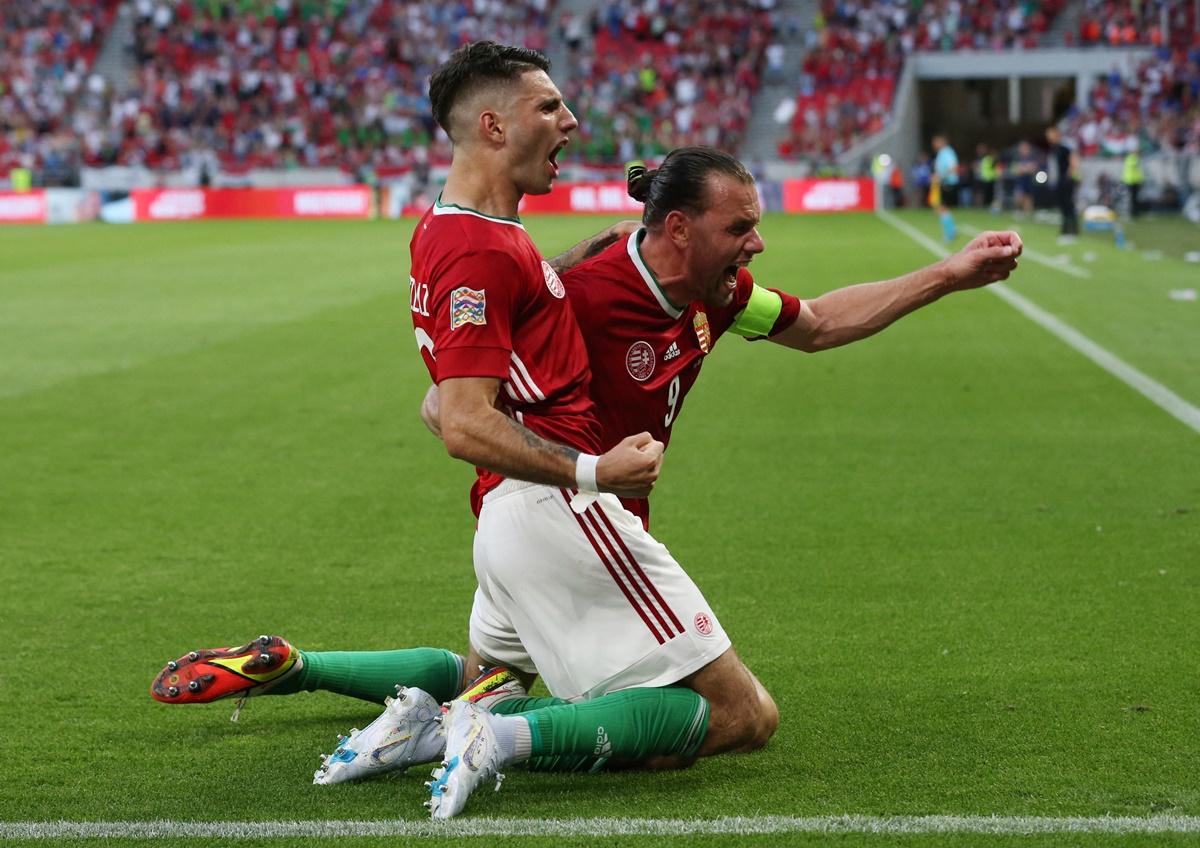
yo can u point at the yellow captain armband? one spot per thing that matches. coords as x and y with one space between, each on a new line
760 314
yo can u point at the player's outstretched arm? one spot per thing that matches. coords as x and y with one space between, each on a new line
855 312
589 247
475 431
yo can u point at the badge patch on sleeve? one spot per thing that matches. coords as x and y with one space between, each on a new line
467 306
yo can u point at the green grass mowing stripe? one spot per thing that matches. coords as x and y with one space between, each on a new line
111 298
1152 390
957 556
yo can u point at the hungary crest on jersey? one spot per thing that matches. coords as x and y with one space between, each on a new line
703 334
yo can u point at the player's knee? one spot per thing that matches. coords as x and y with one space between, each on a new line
733 725
767 723
749 724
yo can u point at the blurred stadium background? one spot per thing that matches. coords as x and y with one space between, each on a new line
108 96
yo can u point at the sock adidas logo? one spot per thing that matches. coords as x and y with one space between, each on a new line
672 352
603 746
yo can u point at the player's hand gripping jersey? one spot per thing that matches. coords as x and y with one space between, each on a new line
485 304
646 352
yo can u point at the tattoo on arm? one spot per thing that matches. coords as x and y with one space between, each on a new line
586 249
536 442
595 247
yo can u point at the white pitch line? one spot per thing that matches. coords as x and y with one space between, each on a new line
750 825
1149 388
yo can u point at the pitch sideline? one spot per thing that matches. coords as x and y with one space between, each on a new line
1149 388
750 825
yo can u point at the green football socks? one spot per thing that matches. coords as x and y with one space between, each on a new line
373 675
631 726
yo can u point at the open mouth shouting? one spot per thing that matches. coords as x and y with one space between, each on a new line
553 157
729 275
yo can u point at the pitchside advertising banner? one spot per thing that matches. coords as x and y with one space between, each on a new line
796 196
23 207
172 204
60 206
48 206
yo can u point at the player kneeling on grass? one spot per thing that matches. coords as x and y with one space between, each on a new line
679 283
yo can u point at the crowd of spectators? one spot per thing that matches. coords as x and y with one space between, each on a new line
1155 108
341 83
1124 23
47 50
857 52
664 73
278 83
238 84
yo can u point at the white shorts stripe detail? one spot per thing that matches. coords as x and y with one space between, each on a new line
622 566
528 379
484 826
613 571
555 592
629 565
508 387
638 568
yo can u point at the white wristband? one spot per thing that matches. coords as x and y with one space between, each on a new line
585 473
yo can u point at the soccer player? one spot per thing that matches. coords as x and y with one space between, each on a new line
576 591
651 309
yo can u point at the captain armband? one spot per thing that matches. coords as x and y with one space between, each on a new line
760 314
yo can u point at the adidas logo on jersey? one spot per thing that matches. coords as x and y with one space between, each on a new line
672 352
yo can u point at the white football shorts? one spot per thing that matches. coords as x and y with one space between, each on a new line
591 602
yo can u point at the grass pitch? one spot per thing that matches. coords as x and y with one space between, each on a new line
964 559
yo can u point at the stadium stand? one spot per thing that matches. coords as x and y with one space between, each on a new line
1156 108
1123 23
270 83
245 84
280 83
851 73
661 75
48 96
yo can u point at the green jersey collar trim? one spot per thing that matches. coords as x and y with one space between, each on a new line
634 247
440 208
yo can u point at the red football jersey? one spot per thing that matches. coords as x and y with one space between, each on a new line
485 304
646 352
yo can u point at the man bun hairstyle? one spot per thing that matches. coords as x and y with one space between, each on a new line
476 64
680 182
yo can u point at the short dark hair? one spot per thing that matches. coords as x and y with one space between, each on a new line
681 181
474 64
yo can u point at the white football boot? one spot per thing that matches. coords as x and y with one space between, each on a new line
408 732
472 758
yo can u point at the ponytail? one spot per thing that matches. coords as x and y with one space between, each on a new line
680 182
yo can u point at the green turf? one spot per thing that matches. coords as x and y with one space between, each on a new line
965 560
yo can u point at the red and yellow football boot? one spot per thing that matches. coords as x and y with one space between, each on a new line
209 675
